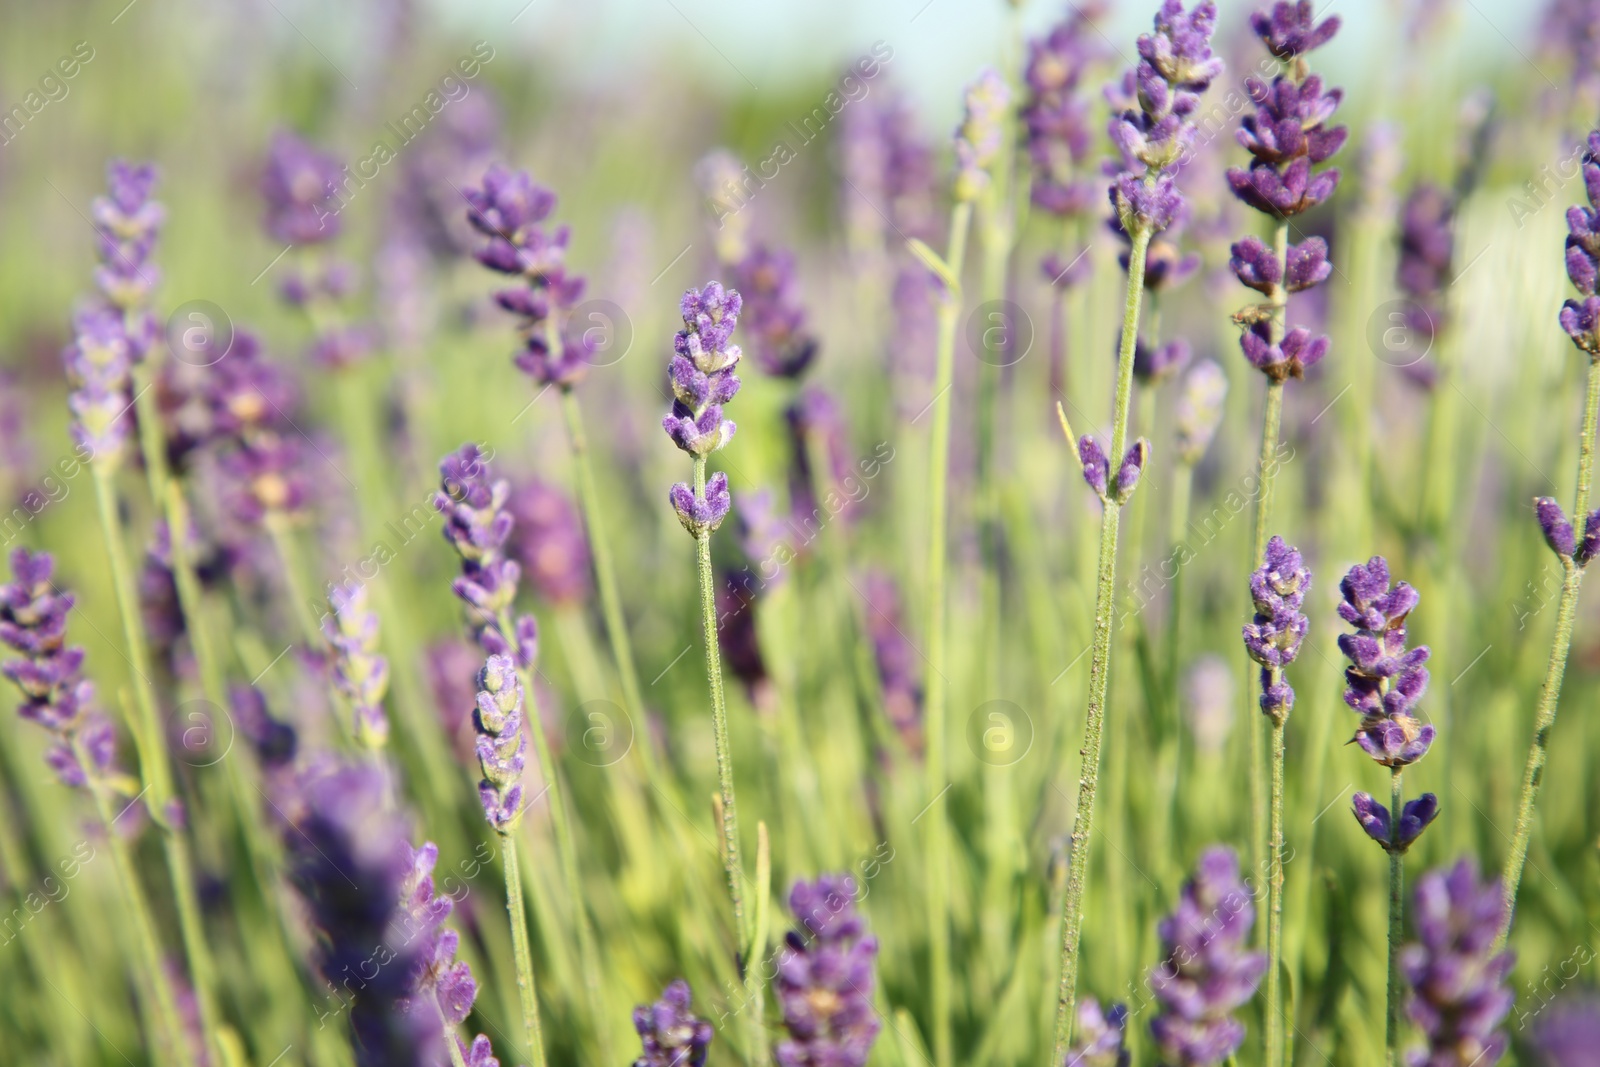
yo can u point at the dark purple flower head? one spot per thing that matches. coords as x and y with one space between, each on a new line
502 742
1290 30
670 1032
1129 471
1415 816
1558 533
1384 680
702 515
301 186
773 315
1288 358
274 741
1459 995
550 543
1294 191
1581 318
1096 468
702 381
477 523
825 978
1102 1036
1154 365
1589 547
508 209
1290 119
738 633
1207 973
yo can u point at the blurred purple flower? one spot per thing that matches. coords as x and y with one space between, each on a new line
773 316
1458 987
899 663
360 674
548 540
825 978
670 1033
301 186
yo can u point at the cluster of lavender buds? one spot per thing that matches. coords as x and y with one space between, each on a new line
502 742
99 365
55 695
1415 815
1199 410
1384 680
773 315
825 978
1581 318
1207 974
1286 136
1102 1036
1458 987
477 523
438 974
1278 589
129 222
1175 66
1055 116
703 379
1427 245
299 184
350 858
1097 469
1562 537
899 666
360 674
509 210
981 133
670 1034
549 541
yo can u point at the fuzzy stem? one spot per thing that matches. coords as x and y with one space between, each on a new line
1275 1019
157 774
1396 914
1550 694
937 832
1099 668
532 1030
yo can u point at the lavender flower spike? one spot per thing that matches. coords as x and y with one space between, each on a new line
477 524
502 742
359 672
1384 680
703 379
1102 1036
671 1034
825 978
1207 974
980 135
437 974
1278 588
1459 996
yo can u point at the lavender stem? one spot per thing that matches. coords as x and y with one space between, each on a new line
532 1030
1099 666
1549 695
1396 917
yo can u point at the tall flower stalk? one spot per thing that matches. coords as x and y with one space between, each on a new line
1575 546
1383 684
1176 65
703 379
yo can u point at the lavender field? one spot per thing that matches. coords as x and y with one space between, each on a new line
1011 534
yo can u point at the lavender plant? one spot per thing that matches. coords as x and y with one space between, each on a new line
671 1034
825 979
1456 971
1176 65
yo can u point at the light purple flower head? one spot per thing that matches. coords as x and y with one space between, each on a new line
129 223
301 187
980 135
1208 974
826 977
477 523
1278 589
359 673
437 974
502 742
703 379
1101 1036
1459 995
1056 115
1427 245
1567 1034
1285 359
99 364
1384 680
1290 30
670 1033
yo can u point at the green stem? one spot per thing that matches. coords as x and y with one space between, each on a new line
938 890
294 578
1099 670
532 1030
1550 694
1275 1019
1396 914
153 765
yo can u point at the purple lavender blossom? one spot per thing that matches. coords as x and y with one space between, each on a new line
55 695
1056 115
1384 680
158 596
1427 244
1287 136
274 741
1278 589
899 665
437 974
502 742
1097 472
477 523
703 379
99 365
360 674
670 1033
1207 974
129 223
1458 985
549 541
301 186
825 978
1102 1036
814 418
1154 364
773 315
980 136
1290 30
1175 66
1567 1034
1199 410
266 474
1581 320
1281 360
1415 815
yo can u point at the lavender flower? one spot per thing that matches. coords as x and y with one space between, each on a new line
549 541
774 317
738 635
1101 1036
1568 1034
1281 360
980 136
502 742
1278 588
672 1035
702 381
1374 818
1562 536
1097 469
99 365
1458 984
1207 974
476 524
437 974
1581 319
1055 116
825 978
1427 243
899 665
1175 66
55 695
129 223
1199 410
1384 680
301 186
1154 364
359 673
